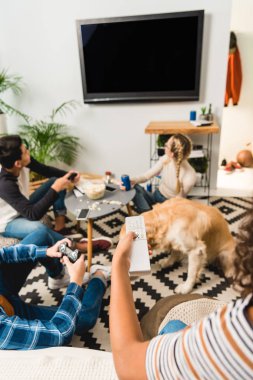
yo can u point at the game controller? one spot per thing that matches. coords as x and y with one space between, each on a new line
66 251
72 176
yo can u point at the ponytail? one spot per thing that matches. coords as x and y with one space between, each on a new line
181 148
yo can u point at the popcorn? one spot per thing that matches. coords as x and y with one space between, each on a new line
94 190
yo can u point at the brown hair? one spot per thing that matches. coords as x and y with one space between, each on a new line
243 263
181 147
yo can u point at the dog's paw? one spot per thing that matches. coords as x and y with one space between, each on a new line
183 288
164 263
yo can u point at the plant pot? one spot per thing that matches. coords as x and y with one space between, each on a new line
203 116
160 151
3 124
199 164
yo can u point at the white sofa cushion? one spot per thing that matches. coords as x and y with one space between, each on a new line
65 363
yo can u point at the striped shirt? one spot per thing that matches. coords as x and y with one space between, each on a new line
25 334
220 346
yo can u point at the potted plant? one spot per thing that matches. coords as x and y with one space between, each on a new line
13 83
203 115
161 141
49 140
200 164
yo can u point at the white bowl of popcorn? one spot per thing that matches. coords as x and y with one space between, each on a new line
94 189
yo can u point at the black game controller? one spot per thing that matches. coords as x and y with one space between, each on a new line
72 176
66 251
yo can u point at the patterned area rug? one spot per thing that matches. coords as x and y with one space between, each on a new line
147 289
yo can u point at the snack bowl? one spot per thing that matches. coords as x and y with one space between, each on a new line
94 189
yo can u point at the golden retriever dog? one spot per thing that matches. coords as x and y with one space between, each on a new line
185 227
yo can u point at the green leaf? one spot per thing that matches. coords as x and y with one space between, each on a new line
64 108
13 83
10 82
49 140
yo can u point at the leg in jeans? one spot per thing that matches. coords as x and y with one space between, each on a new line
91 305
59 205
143 199
158 197
13 277
30 312
21 227
88 315
172 326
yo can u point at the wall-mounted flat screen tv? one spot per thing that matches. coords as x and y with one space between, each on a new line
152 57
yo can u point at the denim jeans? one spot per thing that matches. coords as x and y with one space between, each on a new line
172 326
91 304
59 205
144 200
21 227
13 276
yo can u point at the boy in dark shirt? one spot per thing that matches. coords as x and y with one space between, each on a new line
21 214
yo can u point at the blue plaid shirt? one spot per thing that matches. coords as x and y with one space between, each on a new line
23 334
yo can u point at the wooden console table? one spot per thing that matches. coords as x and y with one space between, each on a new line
172 127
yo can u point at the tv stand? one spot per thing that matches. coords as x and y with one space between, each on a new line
155 128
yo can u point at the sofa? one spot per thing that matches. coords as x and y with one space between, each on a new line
73 363
63 363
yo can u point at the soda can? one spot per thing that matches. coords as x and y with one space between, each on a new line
126 181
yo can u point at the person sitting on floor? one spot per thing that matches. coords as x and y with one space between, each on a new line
20 214
177 175
13 277
220 346
24 326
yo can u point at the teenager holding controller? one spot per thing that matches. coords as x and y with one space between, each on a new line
24 326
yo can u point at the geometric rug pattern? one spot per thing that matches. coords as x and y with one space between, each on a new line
148 289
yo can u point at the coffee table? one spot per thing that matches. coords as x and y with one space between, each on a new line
111 202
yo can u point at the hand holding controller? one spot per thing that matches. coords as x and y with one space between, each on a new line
66 251
72 176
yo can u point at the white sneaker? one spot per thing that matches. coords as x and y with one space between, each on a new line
105 269
60 281
86 278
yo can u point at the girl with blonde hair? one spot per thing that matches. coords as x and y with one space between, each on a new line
177 175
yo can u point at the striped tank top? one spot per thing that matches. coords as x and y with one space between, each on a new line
220 346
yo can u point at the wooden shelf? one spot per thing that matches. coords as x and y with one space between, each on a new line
155 128
172 127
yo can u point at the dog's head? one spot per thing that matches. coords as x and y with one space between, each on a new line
156 226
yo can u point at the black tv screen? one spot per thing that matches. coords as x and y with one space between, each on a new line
152 57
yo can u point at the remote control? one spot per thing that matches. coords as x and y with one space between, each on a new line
66 251
140 263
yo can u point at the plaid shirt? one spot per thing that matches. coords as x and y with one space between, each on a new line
23 334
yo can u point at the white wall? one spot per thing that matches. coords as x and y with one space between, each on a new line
38 41
237 123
